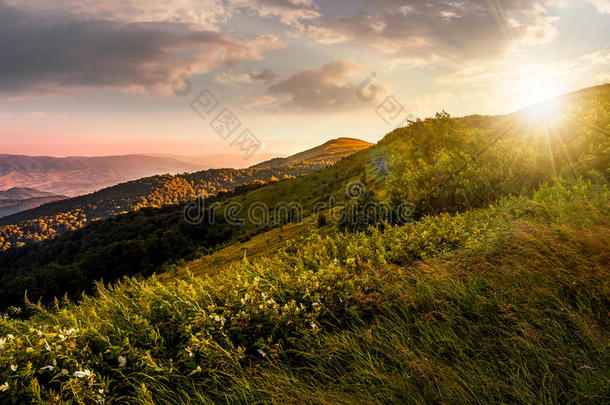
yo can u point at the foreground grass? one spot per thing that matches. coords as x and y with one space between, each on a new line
504 304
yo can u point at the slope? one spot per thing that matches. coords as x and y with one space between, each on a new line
501 305
23 193
52 219
327 153
437 165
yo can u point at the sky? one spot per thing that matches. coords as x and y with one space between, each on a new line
197 77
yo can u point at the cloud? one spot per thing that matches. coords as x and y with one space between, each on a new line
52 52
450 30
289 12
318 90
251 77
261 101
602 6
207 14
508 71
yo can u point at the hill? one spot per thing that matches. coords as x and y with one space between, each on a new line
22 193
19 199
80 175
327 153
10 207
219 161
52 219
492 289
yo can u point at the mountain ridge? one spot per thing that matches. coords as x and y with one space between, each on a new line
155 191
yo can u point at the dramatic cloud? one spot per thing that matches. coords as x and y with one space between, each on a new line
52 52
323 89
205 14
424 31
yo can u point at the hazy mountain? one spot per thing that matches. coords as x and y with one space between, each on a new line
219 161
54 218
22 193
19 199
80 175
329 153
10 207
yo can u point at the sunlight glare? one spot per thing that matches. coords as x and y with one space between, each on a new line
538 94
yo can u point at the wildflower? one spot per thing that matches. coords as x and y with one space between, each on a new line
196 371
13 368
262 353
2 343
4 387
122 361
10 337
315 304
29 350
314 326
101 391
83 374
50 368
241 352
64 371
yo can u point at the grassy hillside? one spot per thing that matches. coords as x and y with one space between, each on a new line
329 152
505 304
493 290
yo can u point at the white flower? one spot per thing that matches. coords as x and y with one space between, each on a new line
262 353
50 368
122 361
314 326
13 367
83 374
196 371
315 304
101 391
241 352
4 387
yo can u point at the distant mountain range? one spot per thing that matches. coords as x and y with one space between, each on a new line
74 176
219 161
48 220
19 199
23 193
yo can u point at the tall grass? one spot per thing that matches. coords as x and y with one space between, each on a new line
505 304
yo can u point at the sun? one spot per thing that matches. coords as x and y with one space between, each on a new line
535 90
539 95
